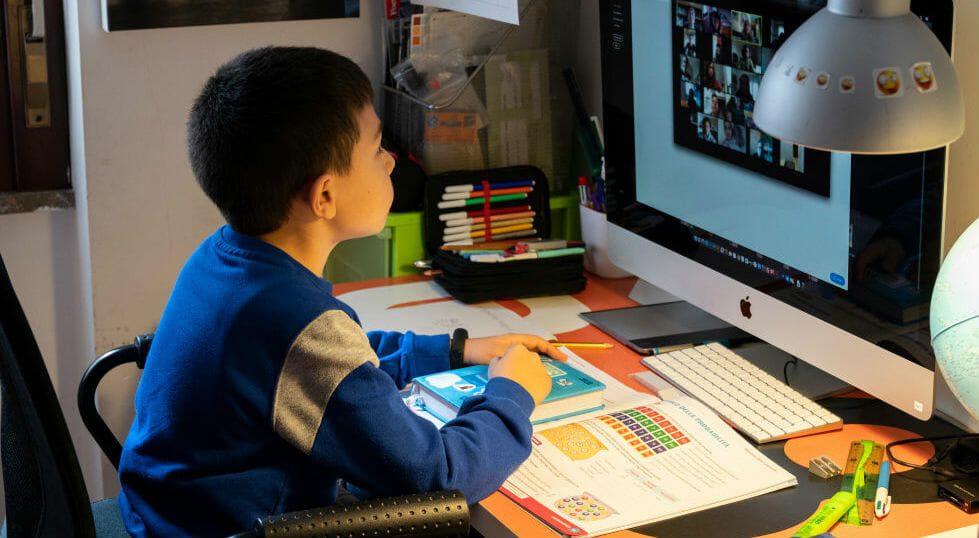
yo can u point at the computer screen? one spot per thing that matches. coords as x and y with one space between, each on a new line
829 256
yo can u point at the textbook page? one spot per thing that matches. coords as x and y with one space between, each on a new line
641 462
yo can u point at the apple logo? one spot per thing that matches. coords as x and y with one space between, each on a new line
746 307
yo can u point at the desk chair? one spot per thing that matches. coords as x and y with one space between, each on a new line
44 492
133 353
440 514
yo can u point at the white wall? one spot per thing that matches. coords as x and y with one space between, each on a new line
40 251
962 187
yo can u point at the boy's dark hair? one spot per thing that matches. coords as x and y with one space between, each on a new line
267 123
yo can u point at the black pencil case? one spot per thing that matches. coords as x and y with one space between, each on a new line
471 281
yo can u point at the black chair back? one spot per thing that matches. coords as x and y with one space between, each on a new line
44 491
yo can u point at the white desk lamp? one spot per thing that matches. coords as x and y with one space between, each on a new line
862 76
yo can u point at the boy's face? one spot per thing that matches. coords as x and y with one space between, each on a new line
364 193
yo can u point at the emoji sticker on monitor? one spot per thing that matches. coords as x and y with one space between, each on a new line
924 77
801 75
847 84
822 80
887 82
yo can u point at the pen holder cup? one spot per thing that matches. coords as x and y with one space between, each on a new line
595 235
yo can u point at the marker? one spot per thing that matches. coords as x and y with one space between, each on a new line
470 253
480 233
827 515
483 194
498 185
478 213
508 257
452 230
882 502
474 201
491 218
487 245
583 345
481 241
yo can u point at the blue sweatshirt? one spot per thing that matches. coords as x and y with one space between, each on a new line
261 390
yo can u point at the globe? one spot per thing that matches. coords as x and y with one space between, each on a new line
955 319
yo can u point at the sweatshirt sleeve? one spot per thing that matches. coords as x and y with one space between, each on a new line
334 403
405 356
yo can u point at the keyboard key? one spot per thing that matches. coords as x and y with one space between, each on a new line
797 427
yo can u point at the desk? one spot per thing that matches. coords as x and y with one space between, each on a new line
916 510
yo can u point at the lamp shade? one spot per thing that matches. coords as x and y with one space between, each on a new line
954 319
862 76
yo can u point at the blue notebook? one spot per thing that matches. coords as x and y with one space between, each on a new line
572 391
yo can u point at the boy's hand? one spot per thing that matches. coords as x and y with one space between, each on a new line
524 367
483 350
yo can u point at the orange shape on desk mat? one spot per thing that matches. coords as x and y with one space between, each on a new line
515 306
836 445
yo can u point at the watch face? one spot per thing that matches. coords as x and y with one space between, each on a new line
457 347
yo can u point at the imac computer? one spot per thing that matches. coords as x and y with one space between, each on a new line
830 257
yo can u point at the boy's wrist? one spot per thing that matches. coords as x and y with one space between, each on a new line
457 348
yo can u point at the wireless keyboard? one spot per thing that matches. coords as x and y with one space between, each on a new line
755 403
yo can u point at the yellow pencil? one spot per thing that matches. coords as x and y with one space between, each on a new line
585 345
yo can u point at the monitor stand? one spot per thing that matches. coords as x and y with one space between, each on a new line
810 381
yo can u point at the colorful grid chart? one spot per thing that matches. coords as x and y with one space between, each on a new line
574 441
583 507
647 431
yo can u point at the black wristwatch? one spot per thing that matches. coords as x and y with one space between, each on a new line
457 348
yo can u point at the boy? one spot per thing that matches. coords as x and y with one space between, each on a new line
261 390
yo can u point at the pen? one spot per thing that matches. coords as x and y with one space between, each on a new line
584 345
882 502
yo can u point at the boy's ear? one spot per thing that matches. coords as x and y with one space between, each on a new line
321 196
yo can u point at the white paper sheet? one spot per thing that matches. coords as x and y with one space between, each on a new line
373 307
548 315
500 10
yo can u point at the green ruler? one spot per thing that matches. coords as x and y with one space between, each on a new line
860 478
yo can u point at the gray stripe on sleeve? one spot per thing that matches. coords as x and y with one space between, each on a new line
328 349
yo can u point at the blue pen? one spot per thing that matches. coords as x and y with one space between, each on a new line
882 501
600 189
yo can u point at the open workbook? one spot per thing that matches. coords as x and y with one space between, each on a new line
638 460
